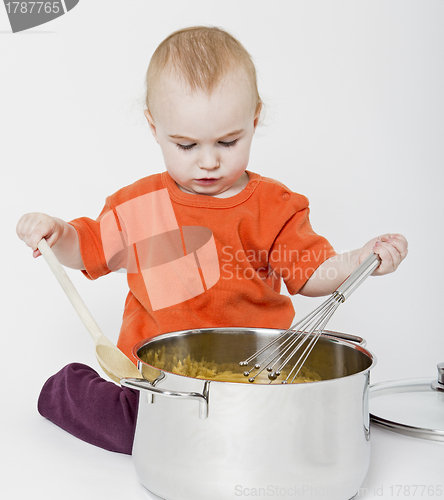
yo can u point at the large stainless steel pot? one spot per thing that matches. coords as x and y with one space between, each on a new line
201 440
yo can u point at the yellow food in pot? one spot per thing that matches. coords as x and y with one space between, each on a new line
209 370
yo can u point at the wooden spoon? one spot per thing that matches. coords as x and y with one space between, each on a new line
112 360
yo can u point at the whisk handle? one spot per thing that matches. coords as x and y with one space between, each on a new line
359 275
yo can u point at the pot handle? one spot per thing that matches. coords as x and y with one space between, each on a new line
345 336
144 385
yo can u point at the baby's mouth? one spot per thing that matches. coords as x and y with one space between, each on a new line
206 182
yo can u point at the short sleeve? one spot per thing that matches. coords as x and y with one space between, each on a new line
298 251
91 245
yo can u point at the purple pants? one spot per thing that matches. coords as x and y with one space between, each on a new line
99 412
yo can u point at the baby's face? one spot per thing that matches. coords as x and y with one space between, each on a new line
205 140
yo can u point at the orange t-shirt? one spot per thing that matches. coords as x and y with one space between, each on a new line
196 261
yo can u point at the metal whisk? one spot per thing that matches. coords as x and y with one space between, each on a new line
305 333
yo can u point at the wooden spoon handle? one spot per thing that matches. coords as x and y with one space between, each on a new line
71 292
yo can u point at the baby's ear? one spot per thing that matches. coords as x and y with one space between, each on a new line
257 115
150 121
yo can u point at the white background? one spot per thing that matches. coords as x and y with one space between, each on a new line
354 108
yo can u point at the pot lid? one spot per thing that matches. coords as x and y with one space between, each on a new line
414 407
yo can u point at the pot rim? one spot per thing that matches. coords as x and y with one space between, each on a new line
328 335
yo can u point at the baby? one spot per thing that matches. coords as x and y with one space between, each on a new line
205 243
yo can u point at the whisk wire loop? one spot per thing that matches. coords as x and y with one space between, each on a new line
309 329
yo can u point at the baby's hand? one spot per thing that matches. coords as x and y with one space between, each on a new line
31 228
392 250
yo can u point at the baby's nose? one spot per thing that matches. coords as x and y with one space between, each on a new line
209 160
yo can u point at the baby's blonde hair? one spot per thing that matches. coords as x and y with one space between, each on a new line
200 56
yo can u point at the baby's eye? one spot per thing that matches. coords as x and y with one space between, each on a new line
186 147
228 144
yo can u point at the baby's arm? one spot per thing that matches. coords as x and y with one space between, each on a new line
391 248
61 236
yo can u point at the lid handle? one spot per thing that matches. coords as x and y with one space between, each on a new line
438 384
